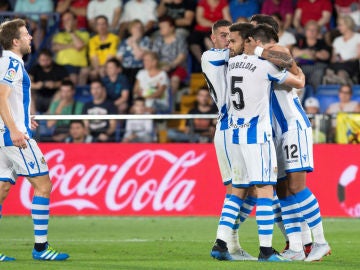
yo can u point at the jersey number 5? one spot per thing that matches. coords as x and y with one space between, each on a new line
238 101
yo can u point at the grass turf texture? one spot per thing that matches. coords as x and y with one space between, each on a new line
159 243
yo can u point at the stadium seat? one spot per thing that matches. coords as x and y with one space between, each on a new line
356 89
82 93
325 100
197 80
329 89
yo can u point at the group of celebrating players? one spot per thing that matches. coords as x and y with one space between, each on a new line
263 142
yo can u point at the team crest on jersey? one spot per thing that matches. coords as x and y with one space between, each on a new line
43 160
10 74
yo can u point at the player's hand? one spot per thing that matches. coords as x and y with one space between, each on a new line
34 124
19 139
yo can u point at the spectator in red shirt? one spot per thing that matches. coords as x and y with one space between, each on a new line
283 7
317 10
78 7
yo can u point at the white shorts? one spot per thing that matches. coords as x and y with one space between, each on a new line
7 171
253 164
25 162
294 150
223 144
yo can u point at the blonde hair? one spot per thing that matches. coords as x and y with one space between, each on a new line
348 21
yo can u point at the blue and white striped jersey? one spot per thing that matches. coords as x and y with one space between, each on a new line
288 114
214 65
13 73
249 79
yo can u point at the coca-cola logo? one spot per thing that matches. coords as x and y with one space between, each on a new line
129 184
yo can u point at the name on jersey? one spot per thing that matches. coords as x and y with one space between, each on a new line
243 65
235 126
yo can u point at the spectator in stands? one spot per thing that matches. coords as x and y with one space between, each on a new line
346 52
345 103
46 77
78 7
143 10
102 47
197 130
111 9
78 133
286 38
152 83
116 85
182 11
139 130
312 107
207 12
243 9
131 50
317 10
5 6
65 105
282 7
312 54
38 23
348 7
172 52
70 46
101 130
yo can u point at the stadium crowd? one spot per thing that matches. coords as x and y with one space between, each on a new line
117 56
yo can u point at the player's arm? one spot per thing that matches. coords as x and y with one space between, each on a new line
296 81
279 56
17 137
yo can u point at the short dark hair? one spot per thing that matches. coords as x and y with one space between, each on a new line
46 52
68 83
264 33
220 23
77 121
168 19
97 81
102 17
265 19
115 61
242 28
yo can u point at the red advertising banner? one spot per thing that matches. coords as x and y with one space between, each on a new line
169 179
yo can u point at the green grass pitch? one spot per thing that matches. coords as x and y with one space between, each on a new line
159 243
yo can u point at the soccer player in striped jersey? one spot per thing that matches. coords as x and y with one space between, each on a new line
253 155
293 141
214 65
16 143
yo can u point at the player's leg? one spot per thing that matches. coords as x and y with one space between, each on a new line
231 207
302 161
38 175
261 159
7 178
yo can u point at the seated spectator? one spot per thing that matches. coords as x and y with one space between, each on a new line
197 130
78 133
346 53
312 54
282 7
46 77
65 105
38 23
348 7
116 85
70 47
152 83
172 52
143 10
243 9
316 10
102 47
286 38
139 130
207 13
345 103
5 6
131 50
101 130
111 9
312 107
77 7
182 12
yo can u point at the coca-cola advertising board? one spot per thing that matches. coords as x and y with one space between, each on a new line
169 179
